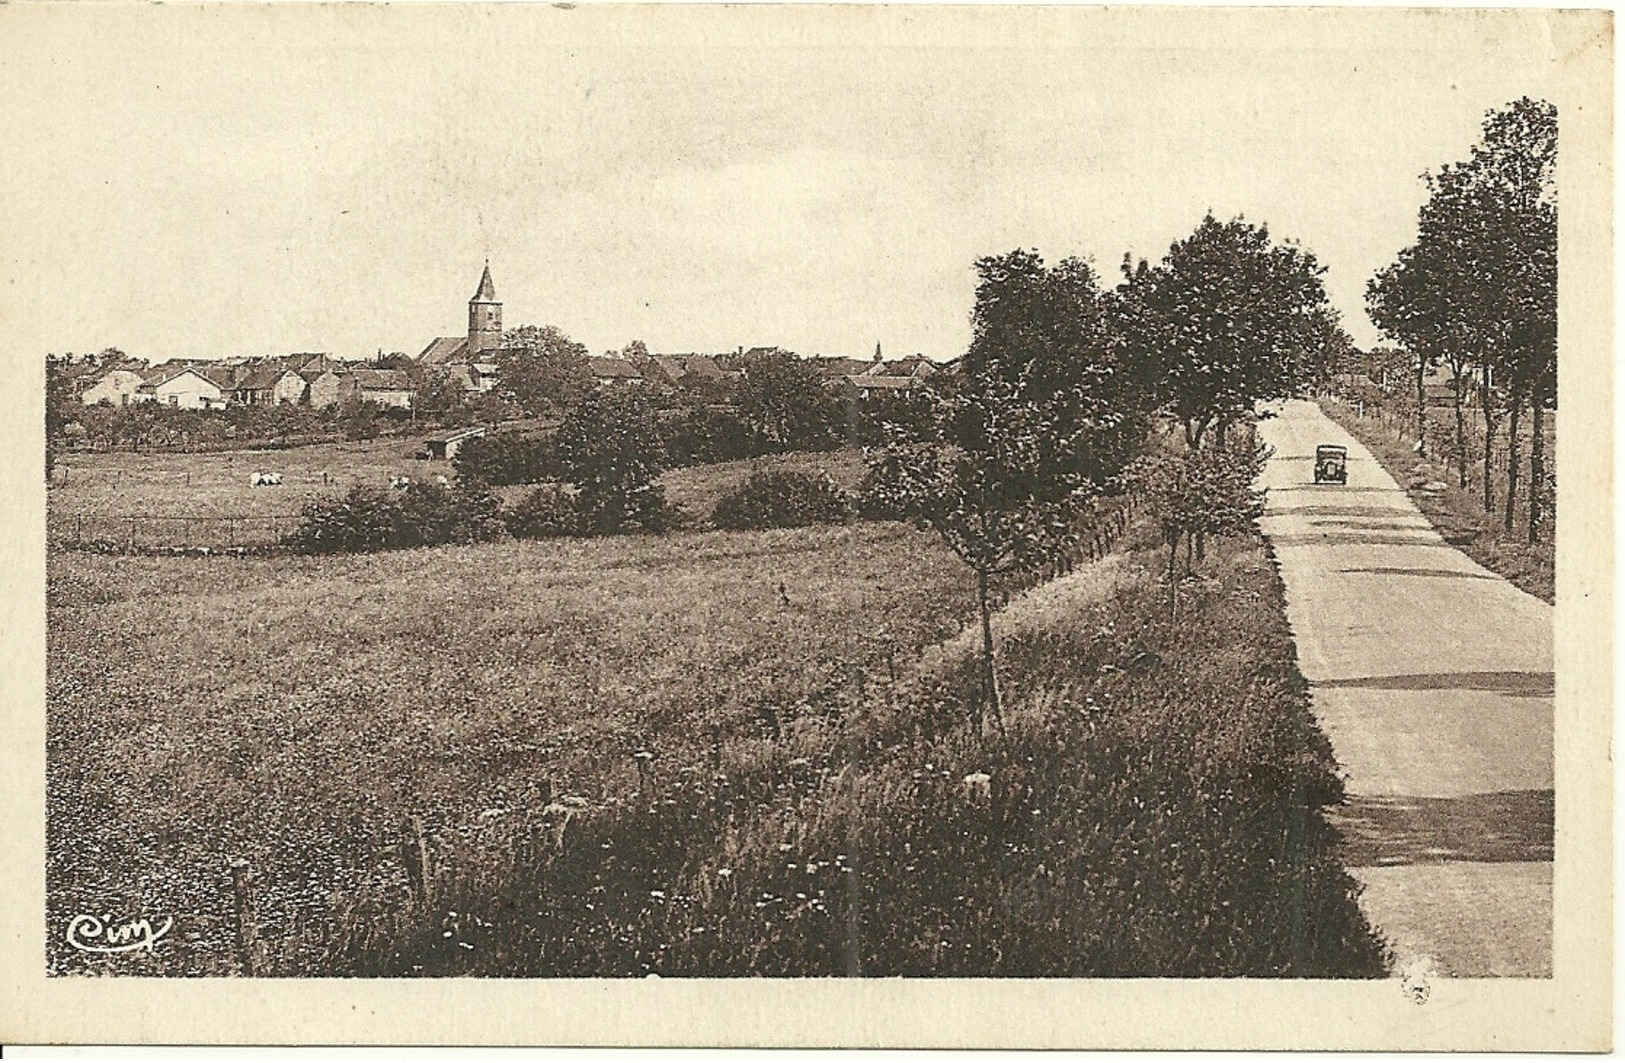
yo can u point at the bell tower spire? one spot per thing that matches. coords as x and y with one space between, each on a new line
484 317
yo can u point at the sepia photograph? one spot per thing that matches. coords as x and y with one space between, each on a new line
1058 498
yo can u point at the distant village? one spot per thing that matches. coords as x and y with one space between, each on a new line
469 361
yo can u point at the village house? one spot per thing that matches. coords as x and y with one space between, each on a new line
614 371
687 370
187 387
386 387
116 387
864 386
270 384
327 387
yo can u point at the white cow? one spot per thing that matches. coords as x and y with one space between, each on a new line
399 483
266 479
442 481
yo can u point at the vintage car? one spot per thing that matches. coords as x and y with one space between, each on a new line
1331 464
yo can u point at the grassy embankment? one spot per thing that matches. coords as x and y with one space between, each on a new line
1457 512
811 802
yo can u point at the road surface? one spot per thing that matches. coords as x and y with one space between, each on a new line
1433 679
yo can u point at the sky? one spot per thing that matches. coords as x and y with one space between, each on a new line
217 181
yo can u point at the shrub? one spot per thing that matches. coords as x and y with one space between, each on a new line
369 518
547 512
505 458
782 500
703 434
361 521
431 515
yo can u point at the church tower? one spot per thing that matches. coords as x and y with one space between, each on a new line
484 317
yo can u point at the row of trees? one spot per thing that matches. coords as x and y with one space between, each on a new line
1064 379
778 403
1477 292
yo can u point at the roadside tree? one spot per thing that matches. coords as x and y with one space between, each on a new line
1225 321
1030 436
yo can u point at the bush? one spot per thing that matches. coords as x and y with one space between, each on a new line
782 500
703 435
505 458
431 515
545 513
552 511
369 519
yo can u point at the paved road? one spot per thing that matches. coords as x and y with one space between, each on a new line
1433 679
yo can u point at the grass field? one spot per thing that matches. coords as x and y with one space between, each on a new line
706 753
208 500
291 711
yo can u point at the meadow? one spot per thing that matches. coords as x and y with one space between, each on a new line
206 499
292 711
706 753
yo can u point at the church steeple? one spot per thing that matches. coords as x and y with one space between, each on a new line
488 291
484 317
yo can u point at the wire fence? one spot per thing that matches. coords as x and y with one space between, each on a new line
135 532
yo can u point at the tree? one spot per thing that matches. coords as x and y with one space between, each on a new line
1480 284
786 404
610 448
1223 322
60 399
436 394
1200 492
1401 304
1027 439
544 370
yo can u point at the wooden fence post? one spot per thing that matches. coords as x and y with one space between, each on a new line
419 863
250 950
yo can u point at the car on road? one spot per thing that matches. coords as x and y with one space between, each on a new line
1331 464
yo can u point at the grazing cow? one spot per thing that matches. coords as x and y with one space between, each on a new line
442 481
399 483
266 479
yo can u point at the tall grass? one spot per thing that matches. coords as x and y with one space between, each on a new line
294 710
717 754
1155 810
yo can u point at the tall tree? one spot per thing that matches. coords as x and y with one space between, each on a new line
1223 322
1031 433
610 447
786 403
544 370
1480 284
